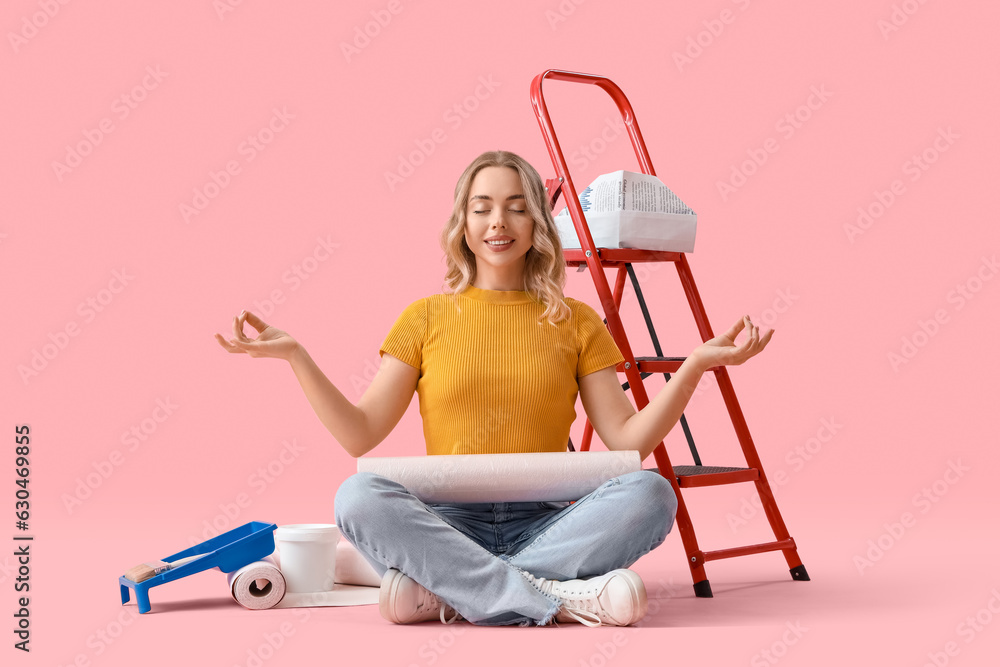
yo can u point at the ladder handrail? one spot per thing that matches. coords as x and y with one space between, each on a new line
596 268
572 199
576 210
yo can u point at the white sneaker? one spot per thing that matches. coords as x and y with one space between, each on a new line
402 600
615 598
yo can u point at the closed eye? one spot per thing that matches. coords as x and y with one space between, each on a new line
512 210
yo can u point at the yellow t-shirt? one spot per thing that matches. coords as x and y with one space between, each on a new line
492 378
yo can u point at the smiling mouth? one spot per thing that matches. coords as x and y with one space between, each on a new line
499 243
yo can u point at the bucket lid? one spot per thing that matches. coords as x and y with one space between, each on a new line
308 532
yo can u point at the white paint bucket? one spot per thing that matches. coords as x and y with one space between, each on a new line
308 553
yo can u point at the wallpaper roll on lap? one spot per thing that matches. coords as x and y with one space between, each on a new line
483 478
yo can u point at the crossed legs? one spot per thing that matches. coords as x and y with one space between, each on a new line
610 528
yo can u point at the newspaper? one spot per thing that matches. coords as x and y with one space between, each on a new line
625 209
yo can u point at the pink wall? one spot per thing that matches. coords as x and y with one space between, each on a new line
167 166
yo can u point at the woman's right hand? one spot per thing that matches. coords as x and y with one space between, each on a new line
271 342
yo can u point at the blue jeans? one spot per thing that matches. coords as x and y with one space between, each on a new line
472 555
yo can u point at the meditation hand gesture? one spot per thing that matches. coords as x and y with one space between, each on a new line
271 342
722 350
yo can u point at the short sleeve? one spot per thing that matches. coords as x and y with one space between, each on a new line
405 340
597 348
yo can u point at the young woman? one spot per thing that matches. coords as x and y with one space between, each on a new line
498 363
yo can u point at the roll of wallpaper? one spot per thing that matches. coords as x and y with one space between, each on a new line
483 478
352 568
259 585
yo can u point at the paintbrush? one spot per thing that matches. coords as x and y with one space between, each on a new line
150 569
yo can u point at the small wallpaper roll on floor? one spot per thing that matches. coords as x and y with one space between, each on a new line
259 585
483 478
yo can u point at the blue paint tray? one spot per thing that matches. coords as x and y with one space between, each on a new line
228 552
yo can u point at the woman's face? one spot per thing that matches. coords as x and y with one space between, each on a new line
497 211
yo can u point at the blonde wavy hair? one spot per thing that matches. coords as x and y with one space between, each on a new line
544 263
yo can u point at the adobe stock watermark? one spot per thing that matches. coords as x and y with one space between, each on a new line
454 116
121 108
958 297
797 458
584 154
295 276
924 501
361 382
88 310
786 126
898 17
32 23
447 475
713 29
104 637
666 590
782 302
606 651
104 468
779 648
914 167
968 629
223 7
272 642
228 516
432 650
248 150
562 12
364 35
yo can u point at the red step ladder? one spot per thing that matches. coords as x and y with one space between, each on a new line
636 369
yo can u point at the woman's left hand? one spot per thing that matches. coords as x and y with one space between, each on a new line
722 350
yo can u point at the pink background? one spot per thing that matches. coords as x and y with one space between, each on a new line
778 242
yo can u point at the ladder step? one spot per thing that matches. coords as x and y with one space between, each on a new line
691 476
651 365
618 256
750 549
